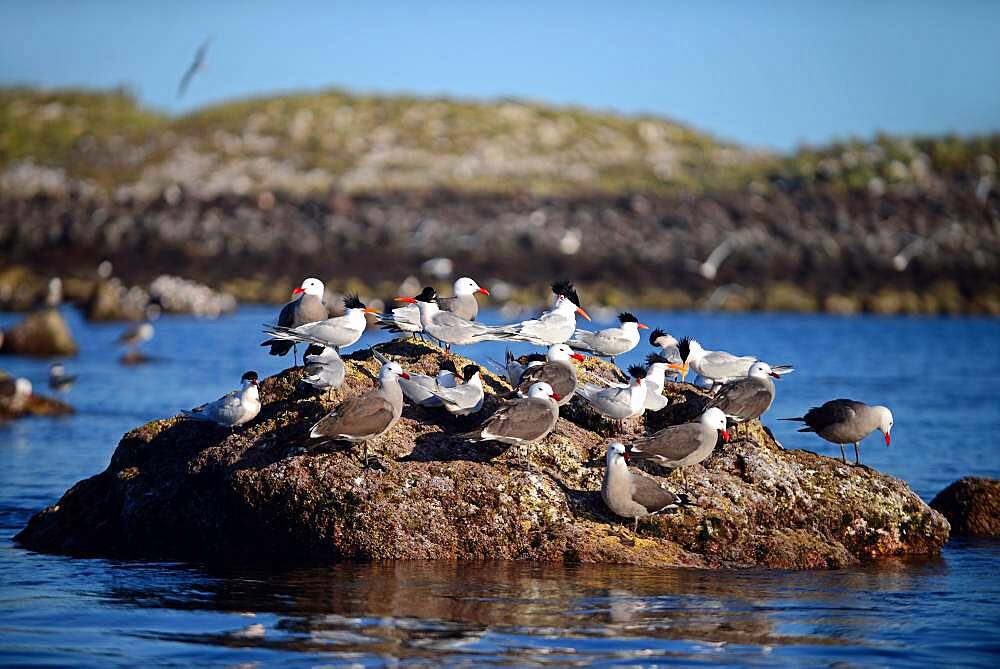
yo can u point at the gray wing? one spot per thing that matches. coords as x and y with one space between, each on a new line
834 412
226 410
309 310
463 307
649 492
324 371
655 400
407 318
561 377
525 420
744 399
463 396
722 365
418 389
286 317
672 443
358 418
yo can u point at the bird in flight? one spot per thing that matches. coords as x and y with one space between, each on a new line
196 65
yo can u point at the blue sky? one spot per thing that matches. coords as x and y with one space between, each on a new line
766 73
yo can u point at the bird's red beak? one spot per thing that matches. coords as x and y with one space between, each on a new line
777 376
298 291
725 435
887 439
484 291
583 313
405 376
626 456
410 300
556 396
642 326
577 356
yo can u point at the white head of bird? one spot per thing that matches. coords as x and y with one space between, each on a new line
355 310
56 369
562 353
22 387
885 422
466 286
762 370
617 455
311 286
716 419
542 390
391 371
656 369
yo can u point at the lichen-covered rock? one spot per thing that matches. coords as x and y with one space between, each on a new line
43 333
972 506
180 488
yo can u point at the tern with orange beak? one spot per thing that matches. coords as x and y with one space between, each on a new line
618 403
610 342
684 445
555 326
846 421
335 333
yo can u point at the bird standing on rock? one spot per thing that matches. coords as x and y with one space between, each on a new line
324 368
556 325
335 333
846 421
632 493
306 307
618 402
749 397
610 342
683 445
522 421
464 398
557 371
448 328
232 409
463 304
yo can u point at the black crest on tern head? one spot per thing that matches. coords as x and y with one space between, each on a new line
469 371
684 348
566 289
654 358
637 372
249 376
656 334
426 295
627 317
352 301
449 365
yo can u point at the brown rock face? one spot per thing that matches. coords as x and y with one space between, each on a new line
972 506
179 488
43 333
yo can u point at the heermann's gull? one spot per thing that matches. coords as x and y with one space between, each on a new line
59 380
333 332
445 326
717 367
618 402
14 392
557 371
749 397
631 493
465 398
523 420
367 416
305 307
555 326
610 342
463 304
232 409
324 368
846 421
683 445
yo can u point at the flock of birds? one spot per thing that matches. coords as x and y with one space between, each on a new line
742 387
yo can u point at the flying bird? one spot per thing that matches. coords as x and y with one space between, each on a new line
197 65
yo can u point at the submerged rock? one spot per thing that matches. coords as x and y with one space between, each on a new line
972 506
180 488
44 333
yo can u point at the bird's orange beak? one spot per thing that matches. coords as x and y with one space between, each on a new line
556 396
484 291
577 356
642 326
369 310
725 436
583 313
887 439
410 300
682 368
298 291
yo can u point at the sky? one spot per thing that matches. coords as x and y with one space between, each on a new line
770 74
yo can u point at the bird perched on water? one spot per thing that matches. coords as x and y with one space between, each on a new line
464 398
14 392
464 305
324 369
846 421
59 380
717 367
610 342
448 328
367 416
521 421
747 398
555 326
232 409
683 445
335 333
196 66
632 493
306 306
617 401
557 371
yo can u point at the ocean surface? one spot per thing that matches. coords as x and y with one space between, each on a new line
938 375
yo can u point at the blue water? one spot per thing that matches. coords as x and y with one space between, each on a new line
937 375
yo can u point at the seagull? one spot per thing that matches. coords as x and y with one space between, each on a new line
335 332
632 493
417 387
683 445
710 268
59 380
324 368
717 367
846 421
747 398
618 402
555 326
522 421
232 409
463 304
136 335
463 399
367 416
306 307
14 392
196 66
557 371
610 342
448 328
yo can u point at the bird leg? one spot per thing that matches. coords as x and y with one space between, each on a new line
635 525
843 457
857 454
295 356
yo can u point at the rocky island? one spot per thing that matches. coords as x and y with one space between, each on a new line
177 488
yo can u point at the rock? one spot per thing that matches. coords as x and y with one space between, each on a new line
110 301
972 506
32 404
43 333
181 488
